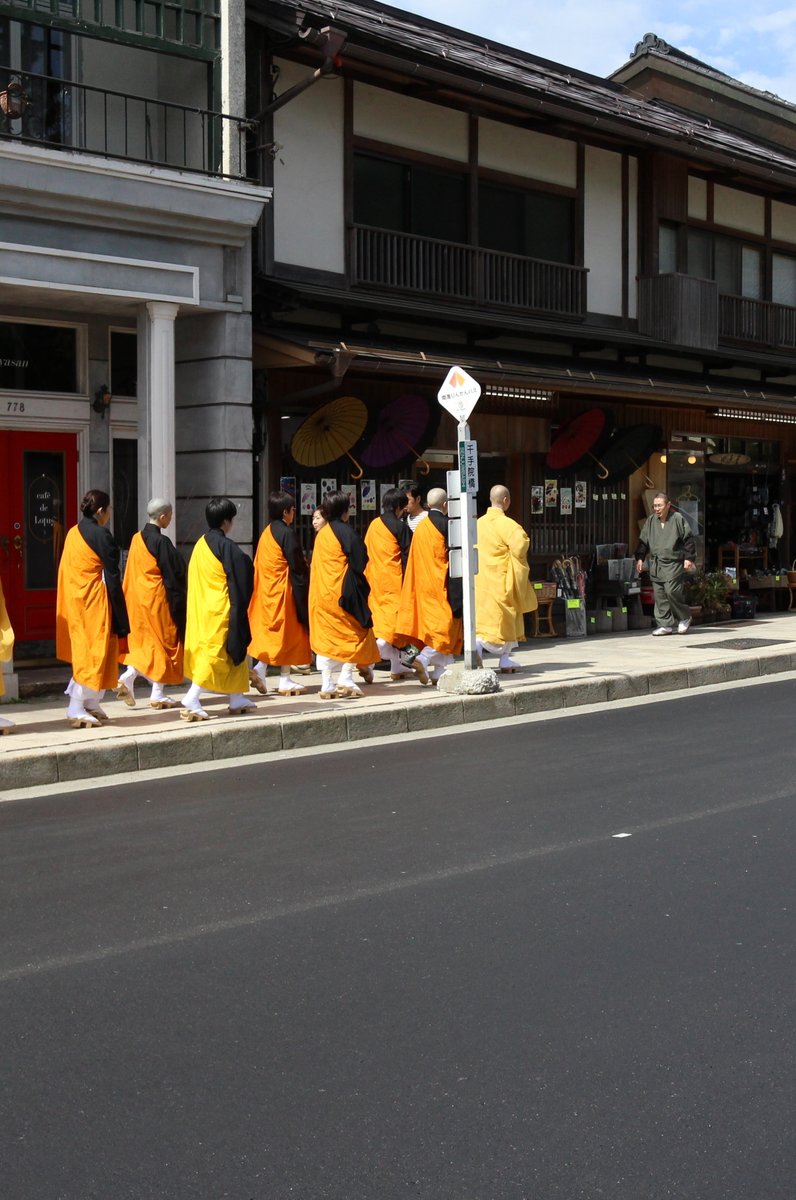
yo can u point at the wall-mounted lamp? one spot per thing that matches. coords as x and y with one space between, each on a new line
664 457
102 400
692 460
14 100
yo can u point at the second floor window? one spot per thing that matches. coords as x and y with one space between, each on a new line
736 266
531 224
410 198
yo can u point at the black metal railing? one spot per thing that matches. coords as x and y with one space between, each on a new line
48 111
404 262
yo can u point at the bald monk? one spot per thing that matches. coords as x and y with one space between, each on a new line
6 650
90 611
341 624
387 540
430 611
278 613
217 634
503 589
154 590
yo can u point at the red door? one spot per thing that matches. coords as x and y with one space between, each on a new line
38 503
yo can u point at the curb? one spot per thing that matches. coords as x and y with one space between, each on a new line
214 743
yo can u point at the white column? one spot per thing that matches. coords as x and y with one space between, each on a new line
157 475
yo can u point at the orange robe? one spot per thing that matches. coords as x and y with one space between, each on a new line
154 646
84 633
425 614
6 638
334 633
278 636
385 575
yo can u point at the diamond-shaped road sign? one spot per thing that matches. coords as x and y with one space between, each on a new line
459 394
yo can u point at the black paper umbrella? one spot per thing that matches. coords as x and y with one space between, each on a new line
629 450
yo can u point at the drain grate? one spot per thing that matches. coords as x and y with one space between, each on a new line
744 644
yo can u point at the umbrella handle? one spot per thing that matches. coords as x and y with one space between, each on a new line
423 467
360 471
602 470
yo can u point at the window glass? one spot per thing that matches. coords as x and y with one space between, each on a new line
379 193
438 205
124 363
783 281
700 259
533 224
727 266
501 219
548 221
752 272
667 248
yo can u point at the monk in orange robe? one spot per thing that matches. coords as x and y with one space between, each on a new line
91 614
431 602
341 625
154 590
278 612
387 541
6 651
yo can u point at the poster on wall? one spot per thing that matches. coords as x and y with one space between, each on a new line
309 499
566 502
328 485
384 488
350 490
368 494
580 493
551 493
537 500
287 483
405 484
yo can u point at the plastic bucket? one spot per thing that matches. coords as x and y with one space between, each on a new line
619 620
605 620
591 621
576 618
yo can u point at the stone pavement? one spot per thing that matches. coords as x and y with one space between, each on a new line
557 674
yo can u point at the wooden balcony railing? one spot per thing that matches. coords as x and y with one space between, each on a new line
759 321
402 262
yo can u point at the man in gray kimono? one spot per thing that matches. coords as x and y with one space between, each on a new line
669 542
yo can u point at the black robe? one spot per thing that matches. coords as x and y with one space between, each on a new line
173 571
287 540
356 589
239 571
105 546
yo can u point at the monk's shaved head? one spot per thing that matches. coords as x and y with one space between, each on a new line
436 498
499 497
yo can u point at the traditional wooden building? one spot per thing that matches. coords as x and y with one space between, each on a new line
575 243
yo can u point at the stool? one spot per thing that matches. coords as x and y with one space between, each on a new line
543 620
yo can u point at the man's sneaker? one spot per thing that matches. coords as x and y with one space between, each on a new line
684 626
661 630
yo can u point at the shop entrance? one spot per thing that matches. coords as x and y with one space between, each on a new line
38 503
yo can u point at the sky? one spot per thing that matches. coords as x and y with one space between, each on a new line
752 40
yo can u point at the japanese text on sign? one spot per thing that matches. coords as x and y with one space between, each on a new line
468 466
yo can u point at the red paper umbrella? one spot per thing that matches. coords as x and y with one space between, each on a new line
629 449
581 438
400 427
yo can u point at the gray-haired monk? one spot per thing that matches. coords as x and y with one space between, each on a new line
154 589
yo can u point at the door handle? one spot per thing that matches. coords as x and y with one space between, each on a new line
18 546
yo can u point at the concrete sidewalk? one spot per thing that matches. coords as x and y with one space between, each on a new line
556 674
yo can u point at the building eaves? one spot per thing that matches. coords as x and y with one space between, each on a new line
423 49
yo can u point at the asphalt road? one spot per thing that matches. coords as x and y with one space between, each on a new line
431 970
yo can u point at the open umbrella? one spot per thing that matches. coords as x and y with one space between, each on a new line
629 449
400 426
329 433
581 438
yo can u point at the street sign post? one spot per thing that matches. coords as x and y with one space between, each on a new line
459 395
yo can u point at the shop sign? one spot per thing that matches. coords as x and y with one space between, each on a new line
37 358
